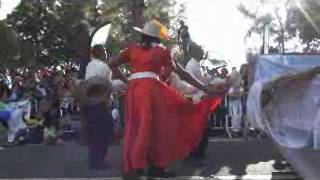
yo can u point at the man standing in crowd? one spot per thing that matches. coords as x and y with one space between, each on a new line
194 68
224 73
184 38
235 106
98 66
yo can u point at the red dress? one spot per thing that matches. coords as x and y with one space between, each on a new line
161 126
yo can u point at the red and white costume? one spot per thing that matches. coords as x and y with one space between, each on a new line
161 126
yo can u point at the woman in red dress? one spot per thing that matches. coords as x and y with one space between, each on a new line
161 126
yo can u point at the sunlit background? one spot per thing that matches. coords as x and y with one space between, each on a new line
215 24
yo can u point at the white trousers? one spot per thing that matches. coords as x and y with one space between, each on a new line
15 123
235 112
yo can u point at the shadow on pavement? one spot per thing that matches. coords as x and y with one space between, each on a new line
69 161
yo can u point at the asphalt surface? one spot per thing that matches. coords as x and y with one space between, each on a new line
225 159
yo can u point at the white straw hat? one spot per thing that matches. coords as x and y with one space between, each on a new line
153 29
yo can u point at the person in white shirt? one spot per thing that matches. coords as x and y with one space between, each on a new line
235 78
97 115
194 68
235 103
99 67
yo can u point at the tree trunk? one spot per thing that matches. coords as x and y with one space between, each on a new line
263 42
282 46
81 47
137 7
282 41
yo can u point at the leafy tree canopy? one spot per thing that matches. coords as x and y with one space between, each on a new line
49 32
302 21
8 45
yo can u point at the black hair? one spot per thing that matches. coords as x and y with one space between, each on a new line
96 51
4 89
148 40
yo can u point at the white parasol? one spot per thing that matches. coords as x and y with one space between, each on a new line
100 35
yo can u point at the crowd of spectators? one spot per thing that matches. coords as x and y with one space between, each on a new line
50 94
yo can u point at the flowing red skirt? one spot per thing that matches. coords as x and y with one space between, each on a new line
161 126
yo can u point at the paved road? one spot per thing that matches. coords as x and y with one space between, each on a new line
226 160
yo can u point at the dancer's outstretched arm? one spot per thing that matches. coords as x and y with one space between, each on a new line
184 75
218 89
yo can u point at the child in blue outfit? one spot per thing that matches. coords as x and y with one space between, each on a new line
98 125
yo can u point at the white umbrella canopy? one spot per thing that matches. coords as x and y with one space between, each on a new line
100 36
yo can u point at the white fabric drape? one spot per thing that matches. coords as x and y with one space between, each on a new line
287 111
19 110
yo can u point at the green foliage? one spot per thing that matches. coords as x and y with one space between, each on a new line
120 13
8 46
55 31
262 21
304 22
217 61
31 21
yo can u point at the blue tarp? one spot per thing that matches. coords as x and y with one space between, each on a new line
271 66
